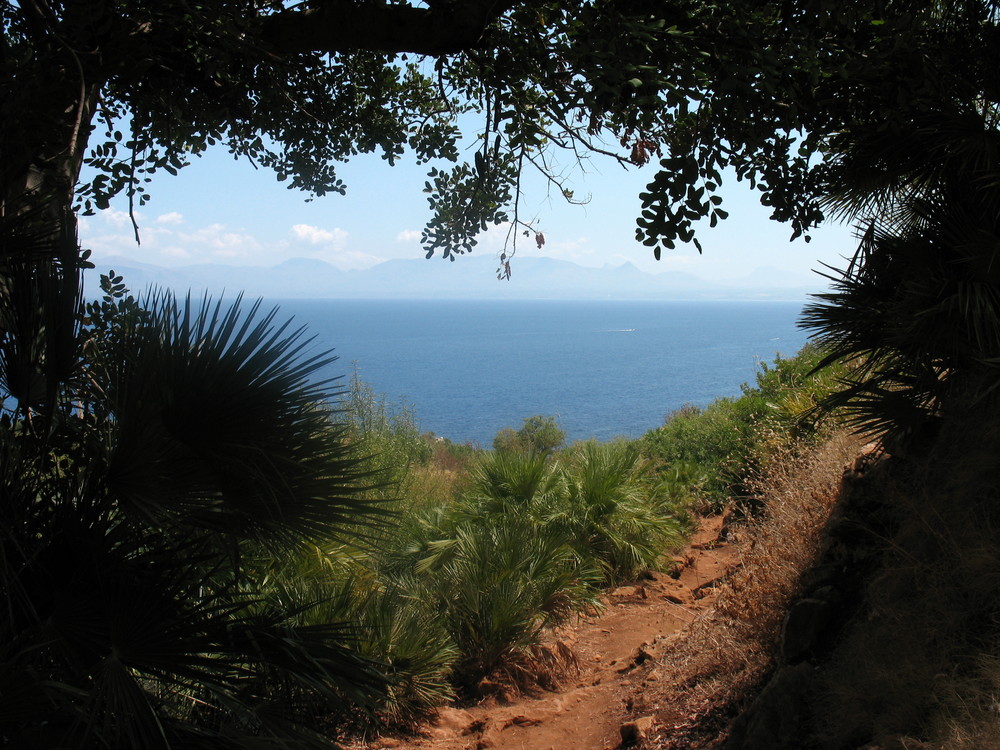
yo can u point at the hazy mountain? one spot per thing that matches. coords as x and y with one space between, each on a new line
468 277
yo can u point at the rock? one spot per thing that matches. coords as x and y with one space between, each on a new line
636 732
451 721
729 521
805 624
630 591
779 717
490 736
650 651
524 721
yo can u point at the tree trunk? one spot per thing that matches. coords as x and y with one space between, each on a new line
45 122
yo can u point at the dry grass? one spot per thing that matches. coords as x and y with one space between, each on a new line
925 660
433 485
715 665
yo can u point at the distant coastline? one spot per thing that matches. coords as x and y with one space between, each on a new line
471 277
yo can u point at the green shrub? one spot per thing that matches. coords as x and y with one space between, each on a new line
383 619
529 543
396 627
450 456
538 434
728 441
499 584
389 434
714 442
505 482
613 518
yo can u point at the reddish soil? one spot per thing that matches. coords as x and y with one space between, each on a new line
616 654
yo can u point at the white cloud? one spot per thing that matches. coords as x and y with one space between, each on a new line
331 247
222 240
117 218
169 241
408 235
318 236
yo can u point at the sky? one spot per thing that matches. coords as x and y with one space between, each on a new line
220 210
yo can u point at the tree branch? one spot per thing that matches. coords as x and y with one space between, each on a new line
344 26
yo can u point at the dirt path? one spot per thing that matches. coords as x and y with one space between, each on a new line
616 652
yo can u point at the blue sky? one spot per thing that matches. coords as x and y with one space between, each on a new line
219 210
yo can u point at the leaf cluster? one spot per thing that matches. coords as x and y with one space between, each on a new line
762 90
526 545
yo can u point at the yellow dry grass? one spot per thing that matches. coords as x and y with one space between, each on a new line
714 666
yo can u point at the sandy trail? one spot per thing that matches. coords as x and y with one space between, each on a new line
616 653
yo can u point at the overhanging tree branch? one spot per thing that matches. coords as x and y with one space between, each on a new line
344 26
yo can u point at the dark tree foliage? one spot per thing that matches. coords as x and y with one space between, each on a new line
918 309
687 87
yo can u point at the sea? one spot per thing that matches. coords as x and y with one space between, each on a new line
603 369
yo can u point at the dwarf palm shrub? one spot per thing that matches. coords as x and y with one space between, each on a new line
528 545
499 584
494 575
146 460
609 513
513 482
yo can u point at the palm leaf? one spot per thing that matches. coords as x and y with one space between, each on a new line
218 425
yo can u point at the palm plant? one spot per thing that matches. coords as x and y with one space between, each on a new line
492 572
144 465
918 309
500 585
393 625
511 481
609 513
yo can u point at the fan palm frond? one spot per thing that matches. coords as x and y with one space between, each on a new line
919 308
190 440
218 425
511 479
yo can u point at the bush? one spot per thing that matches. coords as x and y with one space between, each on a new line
731 439
389 434
715 442
499 584
614 519
527 544
538 434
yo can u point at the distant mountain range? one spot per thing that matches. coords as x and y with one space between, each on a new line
468 277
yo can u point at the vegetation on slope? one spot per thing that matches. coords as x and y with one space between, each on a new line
492 547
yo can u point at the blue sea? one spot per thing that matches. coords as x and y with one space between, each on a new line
604 369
